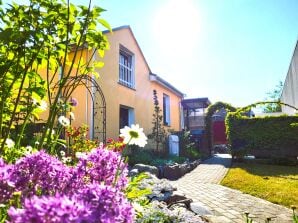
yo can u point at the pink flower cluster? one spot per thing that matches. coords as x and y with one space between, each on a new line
54 192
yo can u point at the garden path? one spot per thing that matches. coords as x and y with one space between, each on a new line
226 205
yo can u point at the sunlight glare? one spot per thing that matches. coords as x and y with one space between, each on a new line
176 25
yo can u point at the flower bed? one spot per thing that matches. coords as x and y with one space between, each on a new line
40 188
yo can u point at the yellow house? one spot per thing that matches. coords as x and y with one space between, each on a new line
123 95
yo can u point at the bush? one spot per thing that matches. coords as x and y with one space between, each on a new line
188 147
168 160
138 156
268 137
177 159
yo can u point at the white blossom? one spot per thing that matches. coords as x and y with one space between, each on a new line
9 143
133 135
64 121
81 155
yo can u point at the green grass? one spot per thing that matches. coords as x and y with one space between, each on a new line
277 184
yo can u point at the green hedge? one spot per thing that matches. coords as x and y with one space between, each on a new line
268 137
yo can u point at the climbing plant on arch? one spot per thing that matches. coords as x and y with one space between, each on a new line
243 109
213 108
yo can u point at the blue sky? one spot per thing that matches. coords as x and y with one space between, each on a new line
228 50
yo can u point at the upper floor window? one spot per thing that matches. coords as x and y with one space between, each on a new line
166 110
126 68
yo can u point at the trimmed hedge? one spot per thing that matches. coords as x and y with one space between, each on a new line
268 137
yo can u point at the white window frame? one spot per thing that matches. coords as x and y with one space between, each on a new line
166 110
131 114
126 68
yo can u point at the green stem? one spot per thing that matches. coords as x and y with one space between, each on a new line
14 111
20 135
55 140
118 165
63 81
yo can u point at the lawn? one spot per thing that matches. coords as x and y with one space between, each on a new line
277 184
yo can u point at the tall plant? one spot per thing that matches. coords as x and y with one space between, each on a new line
274 95
158 131
40 53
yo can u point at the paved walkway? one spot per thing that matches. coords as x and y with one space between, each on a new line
226 205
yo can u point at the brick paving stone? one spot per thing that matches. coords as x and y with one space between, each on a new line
228 205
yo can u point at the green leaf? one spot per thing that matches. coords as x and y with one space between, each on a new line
105 24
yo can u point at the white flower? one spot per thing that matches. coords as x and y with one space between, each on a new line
34 101
133 135
66 159
63 121
81 155
62 153
43 105
36 143
28 150
9 143
137 207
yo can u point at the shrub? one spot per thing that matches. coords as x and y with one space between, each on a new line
168 160
263 137
188 147
177 159
139 156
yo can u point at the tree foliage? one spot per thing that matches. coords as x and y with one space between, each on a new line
274 95
36 41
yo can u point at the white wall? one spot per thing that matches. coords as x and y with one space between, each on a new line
290 89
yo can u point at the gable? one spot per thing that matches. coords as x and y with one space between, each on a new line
124 36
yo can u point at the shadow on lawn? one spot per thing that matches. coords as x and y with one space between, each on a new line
267 170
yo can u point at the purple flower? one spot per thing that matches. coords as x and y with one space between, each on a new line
107 204
84 193
100 166
73 102
40 174
6 186
2 164
50 209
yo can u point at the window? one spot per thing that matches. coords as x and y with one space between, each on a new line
126 116
166 110
126 68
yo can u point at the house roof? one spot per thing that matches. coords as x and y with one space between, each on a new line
159 80
194 103
152 77
130 30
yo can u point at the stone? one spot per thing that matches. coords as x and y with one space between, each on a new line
177 198
146 168
177 213
188 168
161 189
183 169
192 165
199 209
133 172
172 172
